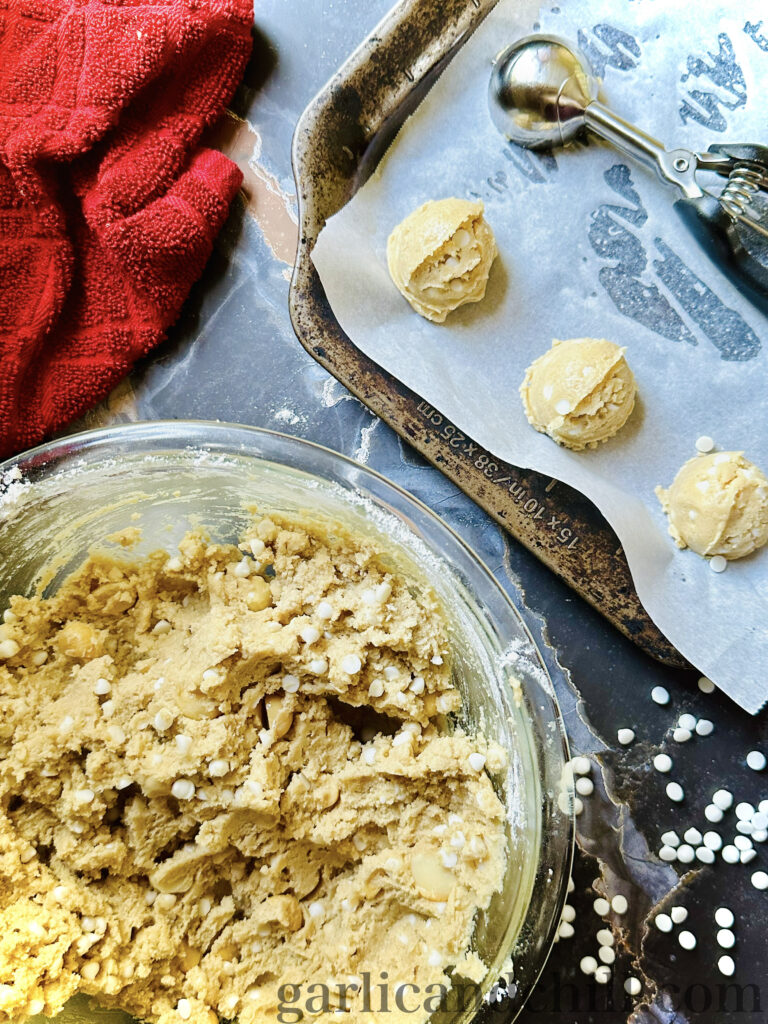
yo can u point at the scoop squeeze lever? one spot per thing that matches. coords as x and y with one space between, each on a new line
543 94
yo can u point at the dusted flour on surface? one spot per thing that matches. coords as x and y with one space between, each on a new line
221 772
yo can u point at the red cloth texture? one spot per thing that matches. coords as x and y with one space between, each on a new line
108 204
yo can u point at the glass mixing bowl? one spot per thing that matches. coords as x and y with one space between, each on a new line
59 500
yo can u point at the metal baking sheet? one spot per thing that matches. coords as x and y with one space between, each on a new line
337 144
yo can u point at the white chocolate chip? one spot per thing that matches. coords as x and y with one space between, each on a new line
183 743
290 683
351 664
163 720
183 789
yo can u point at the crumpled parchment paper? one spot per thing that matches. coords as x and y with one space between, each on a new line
591 245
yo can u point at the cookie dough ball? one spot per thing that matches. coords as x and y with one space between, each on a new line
718 505
440 256
581 392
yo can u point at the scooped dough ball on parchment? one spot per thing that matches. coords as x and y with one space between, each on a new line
580 392
718 505
440 256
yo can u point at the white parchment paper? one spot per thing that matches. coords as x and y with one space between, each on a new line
590 245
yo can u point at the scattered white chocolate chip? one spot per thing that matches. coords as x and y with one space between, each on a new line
760 880
619 904
678 915
724 917
315 909
726 939
376 689
718 563
662 763
693 836
722 799
290 683
101 687
218 767
706 685
310 634
476 761
756 760
318 666
663 922
585 787
675 792
713 840
588 965
633 986
704 727
713 814
704 444
184 1009
601 906
726 966
581 765
626 736
660 695
324 611
687 940
670 839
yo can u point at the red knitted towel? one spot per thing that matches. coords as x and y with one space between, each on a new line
108 205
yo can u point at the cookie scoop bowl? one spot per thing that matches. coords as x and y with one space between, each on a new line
58 500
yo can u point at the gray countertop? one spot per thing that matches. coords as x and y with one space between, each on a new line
233 356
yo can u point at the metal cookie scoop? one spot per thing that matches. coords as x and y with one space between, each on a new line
543 94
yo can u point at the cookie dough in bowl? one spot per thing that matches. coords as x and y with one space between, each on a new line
440 256
255 748
580 392
718 505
